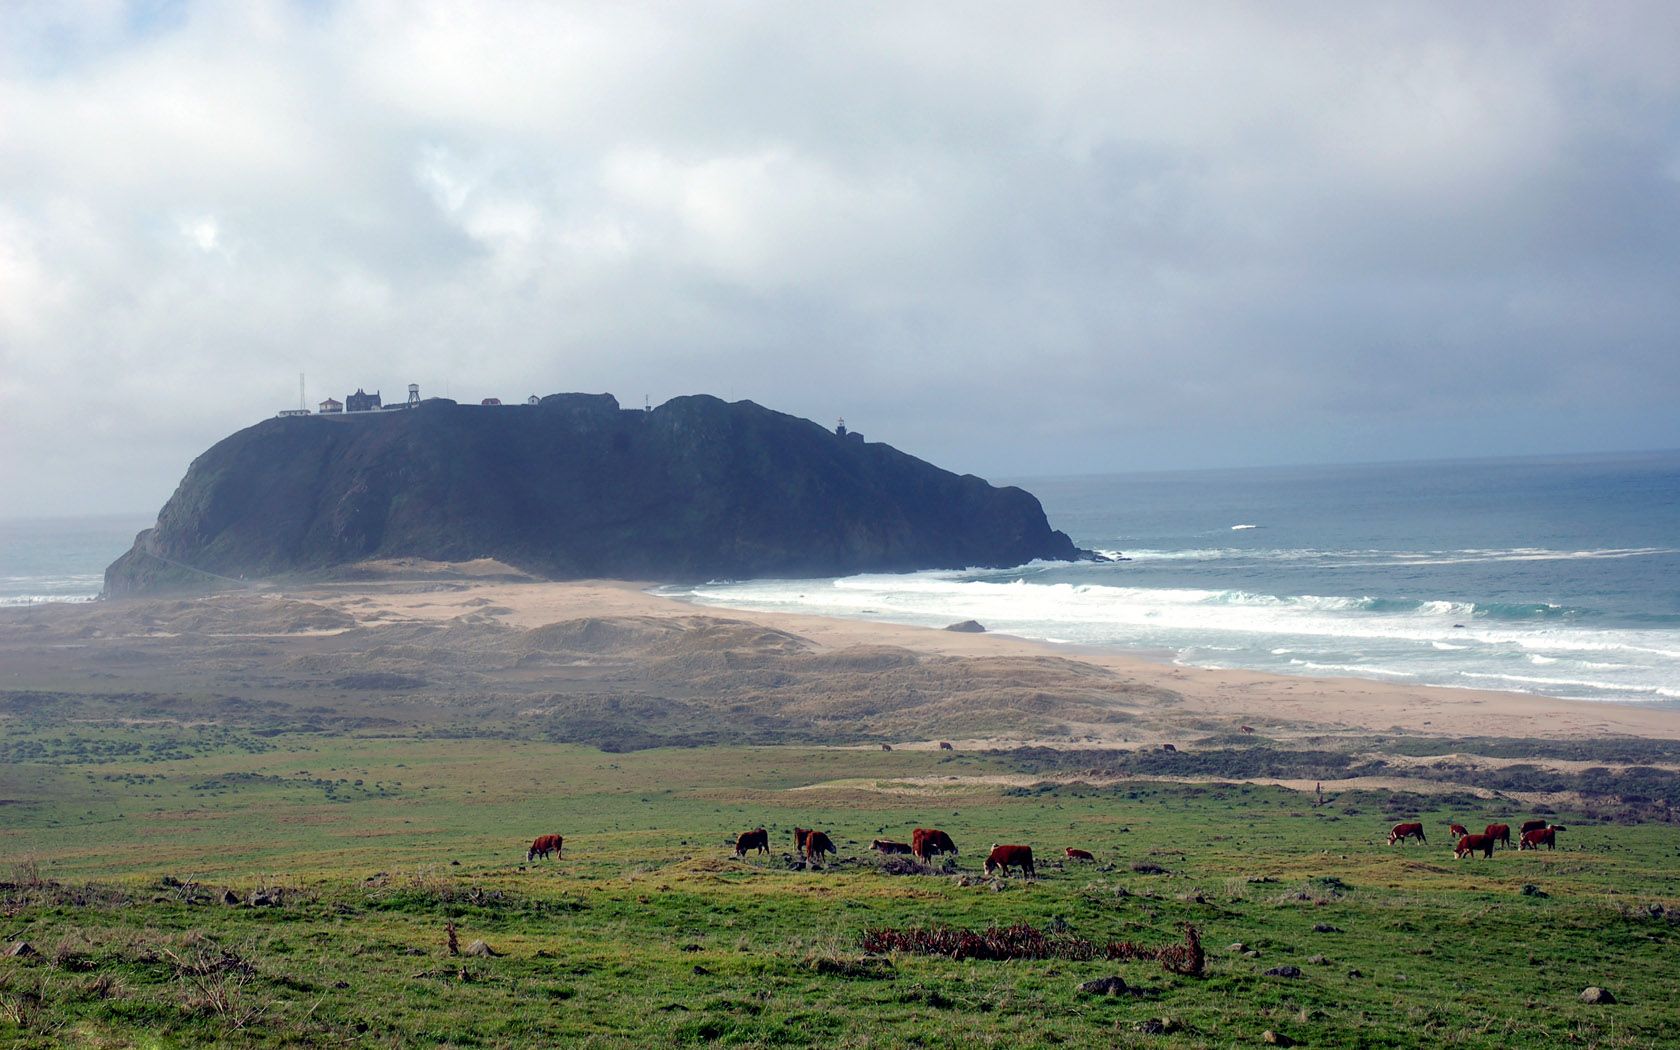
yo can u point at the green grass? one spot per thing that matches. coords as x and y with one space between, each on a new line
649 932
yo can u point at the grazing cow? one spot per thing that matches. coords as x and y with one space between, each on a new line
1168 747
1247 729
1499 833
543 846
799 837
1457 831
883 846
1005 857
944 745
1530 825
1471 843
1079 854
1534 838
1402 832
886 747
816 844
928 843
757 839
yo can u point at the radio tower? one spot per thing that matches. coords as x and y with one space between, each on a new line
300 391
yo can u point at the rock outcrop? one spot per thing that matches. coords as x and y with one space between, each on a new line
575 487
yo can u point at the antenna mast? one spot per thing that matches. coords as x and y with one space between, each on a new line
300 390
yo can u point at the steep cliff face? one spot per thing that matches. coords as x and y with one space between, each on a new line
576 487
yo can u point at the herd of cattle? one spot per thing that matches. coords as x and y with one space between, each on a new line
927 843
1533 834
811 845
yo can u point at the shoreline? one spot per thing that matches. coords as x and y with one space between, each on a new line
1287 705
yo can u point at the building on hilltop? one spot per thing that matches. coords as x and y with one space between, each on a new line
331 406
361 401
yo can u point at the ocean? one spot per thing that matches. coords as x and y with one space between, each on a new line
1558 576
61 559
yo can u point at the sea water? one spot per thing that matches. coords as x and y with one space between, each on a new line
61 559
1556 576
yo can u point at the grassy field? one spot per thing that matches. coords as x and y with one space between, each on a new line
126 844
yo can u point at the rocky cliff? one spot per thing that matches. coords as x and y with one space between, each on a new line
575 487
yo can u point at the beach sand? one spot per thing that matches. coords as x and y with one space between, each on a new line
1276 705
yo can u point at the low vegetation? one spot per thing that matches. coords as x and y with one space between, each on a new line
214 893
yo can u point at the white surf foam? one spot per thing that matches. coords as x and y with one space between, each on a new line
1441 642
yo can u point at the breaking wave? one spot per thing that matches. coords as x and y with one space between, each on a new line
1438 641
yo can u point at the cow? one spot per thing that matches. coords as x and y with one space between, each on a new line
757 839
1079 854
543 846
1402 832
816 844
1246 729
1499 833
1169 747
883 846
1530 825
886 747
1005 857
1457 831
1471 843
1534 838
799 837
927 843
945 745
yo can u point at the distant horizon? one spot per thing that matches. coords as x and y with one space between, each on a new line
1023 480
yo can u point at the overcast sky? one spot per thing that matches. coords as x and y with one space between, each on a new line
1012 239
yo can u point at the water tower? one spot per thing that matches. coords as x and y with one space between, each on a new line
413 394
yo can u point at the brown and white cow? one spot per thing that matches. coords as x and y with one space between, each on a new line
1002 858
1402 832
1534 838
884 846
927 843
799 837
1471 843
1079 854
1530 825
756 839
544 845
816 844
1457 831
1499 833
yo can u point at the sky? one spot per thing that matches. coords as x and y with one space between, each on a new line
1012 239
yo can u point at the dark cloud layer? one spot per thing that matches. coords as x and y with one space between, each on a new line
1098 237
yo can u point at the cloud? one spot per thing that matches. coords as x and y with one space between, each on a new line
1084 238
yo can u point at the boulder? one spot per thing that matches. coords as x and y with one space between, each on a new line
1157 1026
482 949
20 950
1597 996
1111 985
1284 971
967 627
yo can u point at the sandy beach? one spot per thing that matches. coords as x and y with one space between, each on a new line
1277 705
